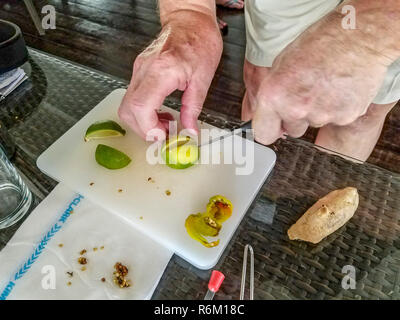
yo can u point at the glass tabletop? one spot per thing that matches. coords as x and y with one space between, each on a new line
59 93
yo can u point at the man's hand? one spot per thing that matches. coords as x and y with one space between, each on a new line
327 75
184 57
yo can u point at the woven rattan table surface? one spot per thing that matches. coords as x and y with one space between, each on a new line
59 93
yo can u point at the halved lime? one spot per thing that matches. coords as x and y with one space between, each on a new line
180 152
111 158
104 129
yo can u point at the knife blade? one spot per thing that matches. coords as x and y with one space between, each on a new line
245 126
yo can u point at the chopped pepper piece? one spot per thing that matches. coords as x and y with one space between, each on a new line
220 208
197 227
209 223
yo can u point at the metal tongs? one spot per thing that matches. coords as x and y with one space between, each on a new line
243 285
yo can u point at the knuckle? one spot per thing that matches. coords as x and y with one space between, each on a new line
320 119
297 132
196 109
270 93
129 107
347 118
296 113
136 106
261 136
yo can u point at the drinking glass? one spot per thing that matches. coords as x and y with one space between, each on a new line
15 197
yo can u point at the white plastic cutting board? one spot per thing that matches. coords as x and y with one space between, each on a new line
143 203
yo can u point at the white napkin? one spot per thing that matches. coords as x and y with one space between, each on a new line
10 80
35 262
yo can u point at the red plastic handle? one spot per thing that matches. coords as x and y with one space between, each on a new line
215 281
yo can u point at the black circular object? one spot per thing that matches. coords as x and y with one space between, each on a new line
13 52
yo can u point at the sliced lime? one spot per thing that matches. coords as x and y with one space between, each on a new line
111 158
104 129
180 152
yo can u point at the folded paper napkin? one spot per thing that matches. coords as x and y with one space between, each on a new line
10 80
41 259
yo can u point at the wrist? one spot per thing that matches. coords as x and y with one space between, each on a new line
169 8
194 30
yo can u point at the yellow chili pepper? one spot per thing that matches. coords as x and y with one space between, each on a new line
220 208
197 227
209 223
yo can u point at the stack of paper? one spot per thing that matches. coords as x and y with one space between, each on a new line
10 80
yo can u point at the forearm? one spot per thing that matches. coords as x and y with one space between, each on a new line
169 7
377 26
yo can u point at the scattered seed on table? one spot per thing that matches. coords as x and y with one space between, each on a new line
168 193
95 249
60 245
82 260
141 218
102 247
103 279
82 252
120 190
69 283
71 274
83 268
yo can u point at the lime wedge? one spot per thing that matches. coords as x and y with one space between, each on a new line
111 158
104 129
180 152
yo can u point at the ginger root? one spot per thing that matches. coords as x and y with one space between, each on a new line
326 216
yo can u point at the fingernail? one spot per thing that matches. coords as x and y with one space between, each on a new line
192 132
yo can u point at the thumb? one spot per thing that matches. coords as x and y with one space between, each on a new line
192 103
